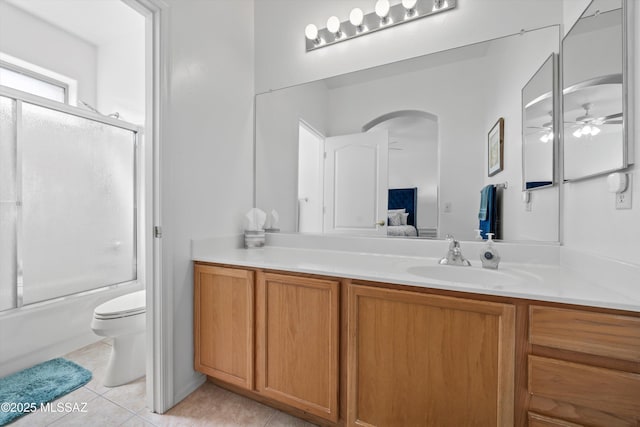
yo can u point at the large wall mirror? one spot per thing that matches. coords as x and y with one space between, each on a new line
341 155
539 130
595 81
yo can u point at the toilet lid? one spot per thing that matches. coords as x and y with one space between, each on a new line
125 305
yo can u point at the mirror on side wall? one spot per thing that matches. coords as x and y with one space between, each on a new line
594 83
539 134
317 142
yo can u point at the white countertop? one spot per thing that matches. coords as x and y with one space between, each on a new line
537 281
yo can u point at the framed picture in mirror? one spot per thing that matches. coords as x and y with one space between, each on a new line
495 152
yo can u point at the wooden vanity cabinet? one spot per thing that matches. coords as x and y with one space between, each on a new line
339 352
224 324
297 340
584 368
284 326
417 359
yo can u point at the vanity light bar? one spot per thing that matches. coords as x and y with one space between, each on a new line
371 22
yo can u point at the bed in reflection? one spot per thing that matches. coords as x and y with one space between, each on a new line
401 212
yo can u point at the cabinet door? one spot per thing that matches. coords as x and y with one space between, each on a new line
425 360
297 342
223 324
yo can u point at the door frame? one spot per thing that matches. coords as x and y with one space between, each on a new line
159 304
304 124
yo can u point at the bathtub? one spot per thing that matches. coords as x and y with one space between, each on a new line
38 332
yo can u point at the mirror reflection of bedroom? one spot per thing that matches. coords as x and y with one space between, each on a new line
383 181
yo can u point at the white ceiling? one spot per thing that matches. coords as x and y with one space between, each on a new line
96 21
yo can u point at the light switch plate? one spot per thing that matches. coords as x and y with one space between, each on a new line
623 200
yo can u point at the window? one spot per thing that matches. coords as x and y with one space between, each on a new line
25 80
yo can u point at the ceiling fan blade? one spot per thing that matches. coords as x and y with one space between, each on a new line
611 119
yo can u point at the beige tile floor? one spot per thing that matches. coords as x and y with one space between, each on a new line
209 405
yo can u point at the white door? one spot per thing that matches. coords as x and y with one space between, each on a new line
356 188
310 182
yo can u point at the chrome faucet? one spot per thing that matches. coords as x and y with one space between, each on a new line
454 255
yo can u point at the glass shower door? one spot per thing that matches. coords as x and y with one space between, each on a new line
78 217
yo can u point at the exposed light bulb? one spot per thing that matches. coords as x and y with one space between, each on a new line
546 137
439 4
356 17
595 130
586 130
333 25
382 8
409 7
311 32
577 133
409 4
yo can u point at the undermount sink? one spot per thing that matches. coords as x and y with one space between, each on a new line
474 275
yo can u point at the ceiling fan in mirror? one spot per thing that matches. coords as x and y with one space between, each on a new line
546 130
587 125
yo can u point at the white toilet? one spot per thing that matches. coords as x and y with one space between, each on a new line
123 319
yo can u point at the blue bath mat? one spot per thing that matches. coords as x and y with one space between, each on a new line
23 391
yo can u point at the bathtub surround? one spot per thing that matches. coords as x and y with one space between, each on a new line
37 334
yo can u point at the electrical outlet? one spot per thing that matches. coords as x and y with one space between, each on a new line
623 200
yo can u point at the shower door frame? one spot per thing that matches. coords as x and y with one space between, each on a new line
20 98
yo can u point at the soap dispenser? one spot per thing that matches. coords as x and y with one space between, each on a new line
489 254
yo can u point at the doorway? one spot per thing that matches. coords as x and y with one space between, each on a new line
104 55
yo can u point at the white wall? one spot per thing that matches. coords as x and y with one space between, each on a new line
571 11
281 59
461 145
468 96
121 75
206 154
415 164
31 39
591 222
578 49
508 77
278 116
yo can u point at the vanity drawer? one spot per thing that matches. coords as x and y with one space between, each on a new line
613 392
587 332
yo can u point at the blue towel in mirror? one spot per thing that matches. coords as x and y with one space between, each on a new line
489 223
484 202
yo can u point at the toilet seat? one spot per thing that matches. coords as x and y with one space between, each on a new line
123 306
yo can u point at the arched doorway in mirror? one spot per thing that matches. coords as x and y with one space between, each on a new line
413 171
